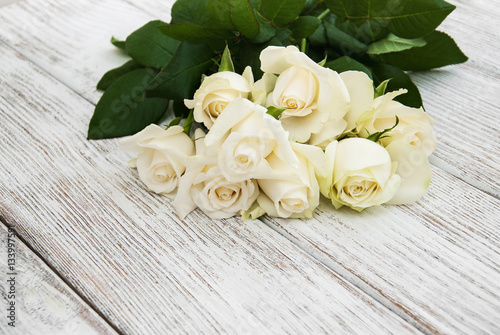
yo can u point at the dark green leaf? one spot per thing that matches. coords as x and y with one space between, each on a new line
281 12
124 109
180 108
112 75
191 11
267 31
407 19
318 38
399 79
393 43
117 43
346 63
149 47
440 50
235 15
345 42
180 78
304 26
195 33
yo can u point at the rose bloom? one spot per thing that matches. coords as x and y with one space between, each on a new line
292 192
162 156
243 137
313 94
204 186
362 174
216 92
370 115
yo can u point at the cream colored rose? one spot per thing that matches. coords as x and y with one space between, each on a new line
363 174
414 170
370 115
242 139
216 92
292 192
313 94
205 187
162 156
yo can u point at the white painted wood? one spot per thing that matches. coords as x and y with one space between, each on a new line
43 303
79 206
435 262
465 99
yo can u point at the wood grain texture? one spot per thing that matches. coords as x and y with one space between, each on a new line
44 304
79 205
465 100
435 262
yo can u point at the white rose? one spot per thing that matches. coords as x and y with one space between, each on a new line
363 174
313 94
204 186
243 137
414 170
162 156
371 115
216 92
292 192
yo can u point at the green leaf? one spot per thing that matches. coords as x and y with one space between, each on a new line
304 26
124 109
181 77
117 43
281 12
318 38
381 88
267 31
275 111
346 63
149 47
191 11
112 75
226 63
235 14
440 50
407 19
175 122
375 137
393 43
195 33
180 108
343 41
399 79
189 123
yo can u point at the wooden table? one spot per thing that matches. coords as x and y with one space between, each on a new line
98 254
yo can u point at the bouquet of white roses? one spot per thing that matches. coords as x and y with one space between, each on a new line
272 145
316 120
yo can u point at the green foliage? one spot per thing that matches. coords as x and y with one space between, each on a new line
112 75
346 63
382 38
124 108
440 50
149 47
393 43
182 75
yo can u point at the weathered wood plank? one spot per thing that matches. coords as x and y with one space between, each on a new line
464 99
79 206
42 302
435 263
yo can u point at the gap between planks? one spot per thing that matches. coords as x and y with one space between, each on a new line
57 274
